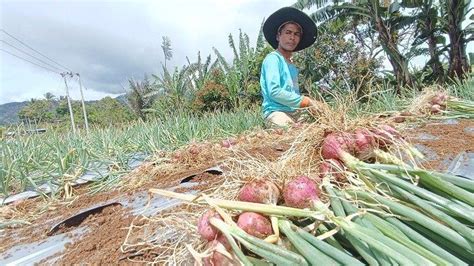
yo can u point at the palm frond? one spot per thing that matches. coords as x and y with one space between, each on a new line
260 40
402 22
411 3
354 10
414 52
214 65
324 14
232 45
307 4
199 64
243 47
221 60
206 64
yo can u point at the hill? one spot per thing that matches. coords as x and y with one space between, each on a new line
9 111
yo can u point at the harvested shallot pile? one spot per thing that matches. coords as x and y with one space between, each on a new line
349 194
439 102
341 190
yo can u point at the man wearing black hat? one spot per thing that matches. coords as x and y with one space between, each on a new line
287 30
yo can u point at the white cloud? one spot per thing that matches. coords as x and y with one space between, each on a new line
111 41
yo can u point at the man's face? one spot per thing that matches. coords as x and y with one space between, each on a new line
289 37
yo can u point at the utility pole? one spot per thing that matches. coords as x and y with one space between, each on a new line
73 125
83 104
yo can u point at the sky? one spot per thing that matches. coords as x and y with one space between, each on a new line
110 42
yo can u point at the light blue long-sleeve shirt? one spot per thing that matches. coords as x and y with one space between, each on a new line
279 84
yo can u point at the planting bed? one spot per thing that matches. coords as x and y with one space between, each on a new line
448 146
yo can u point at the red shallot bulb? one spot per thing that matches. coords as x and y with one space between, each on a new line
255 224
260 191
301 192
205 229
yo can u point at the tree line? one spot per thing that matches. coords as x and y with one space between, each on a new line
355 38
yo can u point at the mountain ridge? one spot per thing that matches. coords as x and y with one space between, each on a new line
9 111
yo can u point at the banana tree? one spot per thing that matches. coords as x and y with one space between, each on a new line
173 85
434 20
243 72
136 97
200 71
456 12
385 20
338 61
428 31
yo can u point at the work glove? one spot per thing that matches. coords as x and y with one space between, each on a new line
315 108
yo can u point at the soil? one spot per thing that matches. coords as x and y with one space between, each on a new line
446 140
107 230
101 243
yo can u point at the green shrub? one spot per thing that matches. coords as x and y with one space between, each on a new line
213 96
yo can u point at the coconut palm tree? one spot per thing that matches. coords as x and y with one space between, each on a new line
166 46
49 97
137 96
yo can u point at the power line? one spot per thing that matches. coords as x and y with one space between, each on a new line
18 49
29 61
35 50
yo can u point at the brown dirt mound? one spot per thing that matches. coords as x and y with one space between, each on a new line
167 171
449 140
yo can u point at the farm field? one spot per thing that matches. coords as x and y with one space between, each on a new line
124 233
333 133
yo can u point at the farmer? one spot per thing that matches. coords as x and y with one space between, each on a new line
287 30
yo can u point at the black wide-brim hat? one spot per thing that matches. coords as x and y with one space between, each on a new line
275 20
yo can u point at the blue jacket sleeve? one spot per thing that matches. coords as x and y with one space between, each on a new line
278 84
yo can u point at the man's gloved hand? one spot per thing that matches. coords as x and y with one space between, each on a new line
316 108
305 102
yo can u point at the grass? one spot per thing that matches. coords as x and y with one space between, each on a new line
464 90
